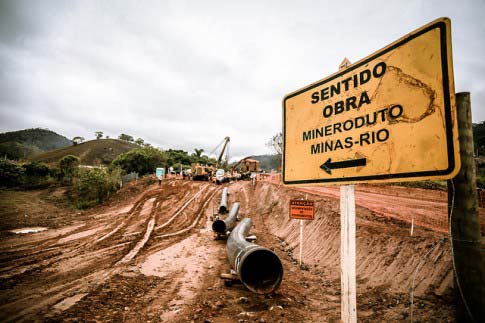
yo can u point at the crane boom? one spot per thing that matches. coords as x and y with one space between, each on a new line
226 141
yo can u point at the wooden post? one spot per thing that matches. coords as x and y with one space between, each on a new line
465 224
348 283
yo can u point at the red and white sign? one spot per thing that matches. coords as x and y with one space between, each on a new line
302 209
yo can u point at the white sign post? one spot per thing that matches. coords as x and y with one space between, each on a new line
348 284
348 310
301 240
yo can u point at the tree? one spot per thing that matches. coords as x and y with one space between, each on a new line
10 173
98 134
126 137
176 156
68 165
479 138
77 140
93 186
35 174
276 143
36 169
141 160
139 141
198 152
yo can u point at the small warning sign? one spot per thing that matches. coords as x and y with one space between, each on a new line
302 209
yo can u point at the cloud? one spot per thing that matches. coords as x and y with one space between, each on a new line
185 74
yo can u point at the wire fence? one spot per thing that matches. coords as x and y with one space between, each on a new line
129 177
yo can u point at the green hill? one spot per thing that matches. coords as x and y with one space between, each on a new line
29 142
94 152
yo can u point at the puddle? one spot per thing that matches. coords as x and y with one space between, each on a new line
28 230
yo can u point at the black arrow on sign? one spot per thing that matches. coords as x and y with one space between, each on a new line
328 165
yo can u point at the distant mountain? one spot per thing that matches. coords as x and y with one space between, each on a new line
94 152
29 142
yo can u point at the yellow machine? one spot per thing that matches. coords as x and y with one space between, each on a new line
246 166
217 174
201 172
249 165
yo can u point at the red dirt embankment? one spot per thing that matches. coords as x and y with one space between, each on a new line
150 255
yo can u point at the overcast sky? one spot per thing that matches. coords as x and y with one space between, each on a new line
185 74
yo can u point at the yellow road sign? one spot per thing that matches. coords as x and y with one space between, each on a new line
389 117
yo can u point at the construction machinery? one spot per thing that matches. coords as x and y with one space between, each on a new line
217 174
220 175
246 167
201 172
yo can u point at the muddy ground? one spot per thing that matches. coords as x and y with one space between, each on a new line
149 255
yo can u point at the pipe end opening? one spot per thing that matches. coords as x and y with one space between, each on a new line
261 271
219 226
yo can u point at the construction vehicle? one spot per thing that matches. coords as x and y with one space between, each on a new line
220 175
246 167
200 172
206 173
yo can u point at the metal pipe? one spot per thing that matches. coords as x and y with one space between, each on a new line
258 268
223 204
222 226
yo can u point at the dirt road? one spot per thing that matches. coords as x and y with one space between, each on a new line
152 257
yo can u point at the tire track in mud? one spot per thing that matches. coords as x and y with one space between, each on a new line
109 238
56 250
169 221
194 223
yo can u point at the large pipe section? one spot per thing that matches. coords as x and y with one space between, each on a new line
223 204
222 226
258 268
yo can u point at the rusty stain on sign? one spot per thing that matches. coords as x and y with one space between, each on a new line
389 117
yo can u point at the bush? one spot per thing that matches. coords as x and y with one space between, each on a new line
11 174
92 186
55 173
141 160
68 165
35 174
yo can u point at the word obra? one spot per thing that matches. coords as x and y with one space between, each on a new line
353 81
